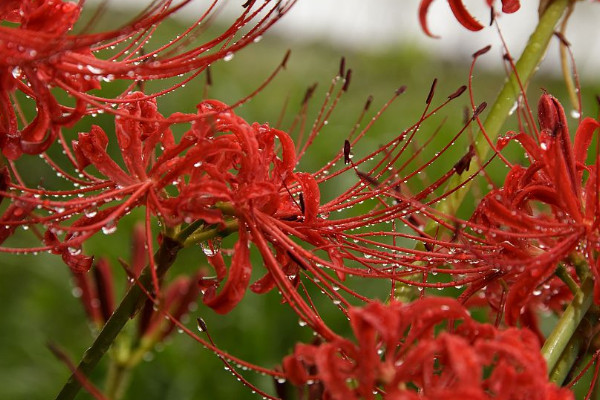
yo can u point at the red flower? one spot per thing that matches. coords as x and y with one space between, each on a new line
225 176
400 353
38 53
461 14
545 214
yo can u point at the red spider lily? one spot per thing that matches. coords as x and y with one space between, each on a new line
400 353
226 175
544 215
461 14
39 53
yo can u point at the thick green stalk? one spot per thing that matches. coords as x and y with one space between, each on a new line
131 303
530 58
567 325
567 359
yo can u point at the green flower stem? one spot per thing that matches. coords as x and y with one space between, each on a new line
203 235
525 68
131 303
567 359
117 381
567 325
564 276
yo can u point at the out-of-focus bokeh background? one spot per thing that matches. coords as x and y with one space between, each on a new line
382 42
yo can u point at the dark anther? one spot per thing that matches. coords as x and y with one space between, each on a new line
368 103
458 92
464 163
481 52
431 91
346 151
347 80
479 110
201 325
400 90
492 15
309 92
342 67
301 202
562 39
208 76
247 4
372 181
286 58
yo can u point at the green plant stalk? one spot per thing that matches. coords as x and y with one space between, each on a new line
525 68
564 276
567 325
117 381
131 303
567 359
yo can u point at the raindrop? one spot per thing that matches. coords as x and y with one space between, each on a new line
109 228
211 248
228 56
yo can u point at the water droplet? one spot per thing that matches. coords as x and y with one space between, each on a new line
109 228
228 56
94 70
211 247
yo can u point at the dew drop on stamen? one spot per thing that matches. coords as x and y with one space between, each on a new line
228 56
109 228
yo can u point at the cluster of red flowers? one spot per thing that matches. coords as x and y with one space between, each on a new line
399 354
224 176
543 216
39 54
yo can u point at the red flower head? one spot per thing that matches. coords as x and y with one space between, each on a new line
38 52
461 14
545 214
225 176
400 354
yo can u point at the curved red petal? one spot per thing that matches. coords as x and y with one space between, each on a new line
423 9
237 281
510 6
463 16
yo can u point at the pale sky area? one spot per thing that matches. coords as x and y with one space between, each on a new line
370 24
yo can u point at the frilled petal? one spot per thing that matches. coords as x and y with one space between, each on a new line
458 9
237 279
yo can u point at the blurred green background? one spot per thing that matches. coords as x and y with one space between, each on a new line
36 301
